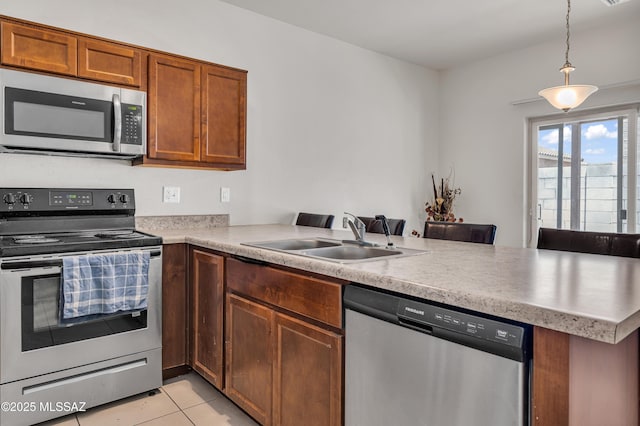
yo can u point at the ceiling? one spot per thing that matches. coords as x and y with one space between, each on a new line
443 34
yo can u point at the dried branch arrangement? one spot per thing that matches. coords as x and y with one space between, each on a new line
441 208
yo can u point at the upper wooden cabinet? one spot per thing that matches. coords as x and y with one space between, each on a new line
197 114
98 60
196 110
224 105
174 109
39 49
57 52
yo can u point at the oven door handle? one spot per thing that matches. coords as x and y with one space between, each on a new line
48 263
32 264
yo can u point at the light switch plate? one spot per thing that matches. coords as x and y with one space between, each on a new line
225 195
171 194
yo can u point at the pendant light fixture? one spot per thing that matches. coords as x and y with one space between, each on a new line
570 95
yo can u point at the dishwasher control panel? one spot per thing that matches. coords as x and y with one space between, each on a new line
423 314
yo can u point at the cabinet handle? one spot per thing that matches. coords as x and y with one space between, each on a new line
249 260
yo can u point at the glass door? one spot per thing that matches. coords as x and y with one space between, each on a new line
585 173
582 174
41 320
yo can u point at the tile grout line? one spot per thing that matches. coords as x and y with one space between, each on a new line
179 408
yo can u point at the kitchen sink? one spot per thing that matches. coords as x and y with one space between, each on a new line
296 244
334 250
353 252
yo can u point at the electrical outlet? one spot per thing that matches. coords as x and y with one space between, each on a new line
225 195
171 194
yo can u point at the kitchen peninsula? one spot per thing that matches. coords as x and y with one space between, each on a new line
585 309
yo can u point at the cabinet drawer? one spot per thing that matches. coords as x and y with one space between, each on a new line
319 299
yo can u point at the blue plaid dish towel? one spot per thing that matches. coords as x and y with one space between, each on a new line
96 284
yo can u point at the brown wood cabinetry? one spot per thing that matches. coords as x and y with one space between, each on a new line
197 114
284 357
57 52
224 107
307 374
174 109
207 304
39 49
249 361
196 110
570 387
174 309
104 61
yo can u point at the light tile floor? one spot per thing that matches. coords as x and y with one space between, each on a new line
184 400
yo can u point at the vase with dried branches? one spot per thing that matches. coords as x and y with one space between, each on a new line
441 208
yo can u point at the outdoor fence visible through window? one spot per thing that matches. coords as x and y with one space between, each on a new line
585 172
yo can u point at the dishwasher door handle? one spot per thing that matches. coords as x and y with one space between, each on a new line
415 325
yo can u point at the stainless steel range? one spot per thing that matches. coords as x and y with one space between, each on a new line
51 366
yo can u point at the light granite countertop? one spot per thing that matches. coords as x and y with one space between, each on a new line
592 296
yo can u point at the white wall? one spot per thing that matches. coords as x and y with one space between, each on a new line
483 133
331 127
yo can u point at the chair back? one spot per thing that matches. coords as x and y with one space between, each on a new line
315 220
607 243
396 226
456 231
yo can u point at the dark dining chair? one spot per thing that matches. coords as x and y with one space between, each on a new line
607 243
456 231
396 226
315 220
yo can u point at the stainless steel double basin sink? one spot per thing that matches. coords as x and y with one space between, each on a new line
335 250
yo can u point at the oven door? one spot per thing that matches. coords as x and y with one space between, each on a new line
34 342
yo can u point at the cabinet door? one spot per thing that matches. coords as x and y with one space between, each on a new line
99 60
174 109
39 49
249 357
307 374
174 306
207 289
224 106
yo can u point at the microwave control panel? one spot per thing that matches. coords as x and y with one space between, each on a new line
132 124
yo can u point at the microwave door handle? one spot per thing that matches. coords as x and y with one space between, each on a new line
117 122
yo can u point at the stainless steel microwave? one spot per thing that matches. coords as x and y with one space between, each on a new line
51 115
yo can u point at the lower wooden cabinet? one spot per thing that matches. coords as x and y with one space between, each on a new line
207 304
307 382
249 362
283 365
174 308
283 337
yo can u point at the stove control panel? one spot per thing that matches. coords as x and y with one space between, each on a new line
33 201
71 198
17 199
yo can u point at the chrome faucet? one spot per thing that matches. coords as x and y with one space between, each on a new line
357 227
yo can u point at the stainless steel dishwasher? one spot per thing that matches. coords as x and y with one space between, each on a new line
411 362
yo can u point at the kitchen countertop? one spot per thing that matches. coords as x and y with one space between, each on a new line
592 296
